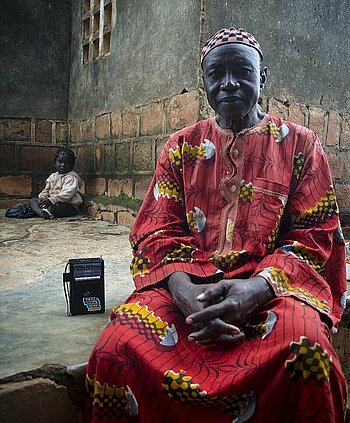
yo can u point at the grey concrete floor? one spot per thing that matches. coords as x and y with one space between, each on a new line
34 326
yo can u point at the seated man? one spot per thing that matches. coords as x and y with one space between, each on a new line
238 267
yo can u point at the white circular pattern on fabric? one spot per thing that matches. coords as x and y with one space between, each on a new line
156 191
209 148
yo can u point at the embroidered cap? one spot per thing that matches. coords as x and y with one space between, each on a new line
228 36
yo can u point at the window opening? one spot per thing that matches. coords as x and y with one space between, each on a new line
98 16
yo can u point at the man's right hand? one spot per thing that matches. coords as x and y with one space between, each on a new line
185 293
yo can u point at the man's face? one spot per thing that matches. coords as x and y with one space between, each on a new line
233 80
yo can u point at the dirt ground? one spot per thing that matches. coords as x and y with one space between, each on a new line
35 328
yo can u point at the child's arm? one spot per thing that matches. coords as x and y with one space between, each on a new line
70 186
44 194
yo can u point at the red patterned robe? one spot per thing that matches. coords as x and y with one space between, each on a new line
222 205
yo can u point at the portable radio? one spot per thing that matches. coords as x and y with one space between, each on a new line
83 283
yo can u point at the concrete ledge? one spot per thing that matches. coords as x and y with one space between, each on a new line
52 394
113 213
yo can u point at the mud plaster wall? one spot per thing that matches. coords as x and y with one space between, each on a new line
122 107
34 59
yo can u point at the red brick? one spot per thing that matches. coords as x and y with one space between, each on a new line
62 131
297 113
82 187
7 154
2 129
125 218
98 158
102 127
317 120
17 130
336 164
96 186
37 159
115 124
344 156
43 131
343 195
160 142
152 119
122 156
7 203
119 186
333 128
16 185
85 163
109 216
277 108
182 110
345 132
141 187
75 131
143 157
87 130
130 120
109 163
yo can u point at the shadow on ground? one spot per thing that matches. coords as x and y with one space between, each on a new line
35 328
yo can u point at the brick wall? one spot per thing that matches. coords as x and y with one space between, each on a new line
117 151
27 147
333 130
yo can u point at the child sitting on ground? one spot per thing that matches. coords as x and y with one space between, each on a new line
61 195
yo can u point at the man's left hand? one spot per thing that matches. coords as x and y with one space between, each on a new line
241 300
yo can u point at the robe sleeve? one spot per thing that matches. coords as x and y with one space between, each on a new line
309 259
160 237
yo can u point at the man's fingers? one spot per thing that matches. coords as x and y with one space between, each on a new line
214 291
222 338
213 329
209 313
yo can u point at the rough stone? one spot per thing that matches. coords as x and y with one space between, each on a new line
99 157
183 110
75 131
16 185
333 128
277 108
108 215
296 113
102 127
88 130
125 218
62 132
37 159
55 406
152 119
7 154
141 187
109 165
336 164
43 131
122 156
130 121
119 186
143 156
17 130
345 132
96 186
317 119
343 195
115 124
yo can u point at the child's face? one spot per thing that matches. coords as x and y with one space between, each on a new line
63 164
